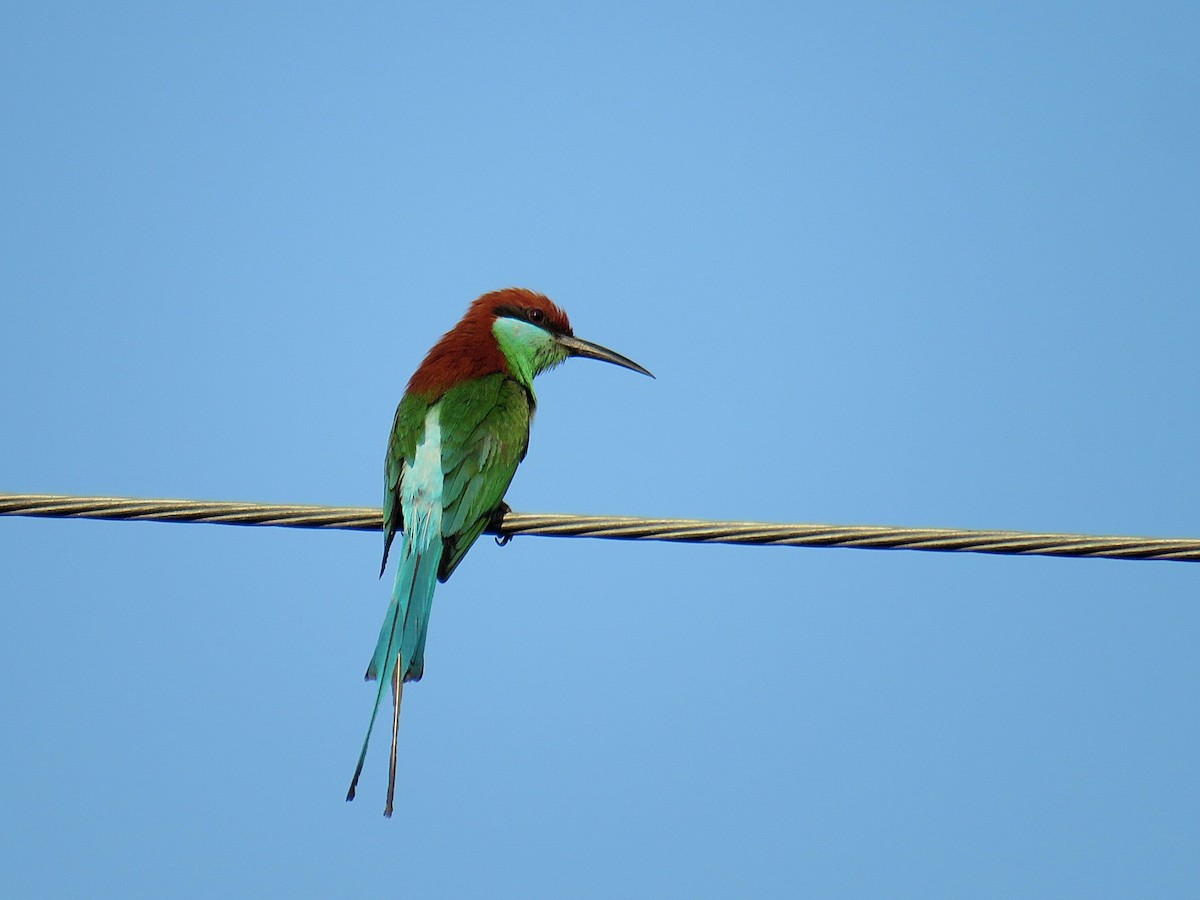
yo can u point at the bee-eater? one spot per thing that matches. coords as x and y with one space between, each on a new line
460 431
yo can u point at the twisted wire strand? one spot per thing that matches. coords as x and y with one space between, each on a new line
366 518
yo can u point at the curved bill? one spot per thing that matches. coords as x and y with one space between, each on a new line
579 347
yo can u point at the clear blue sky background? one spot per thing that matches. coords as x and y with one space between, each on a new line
923 264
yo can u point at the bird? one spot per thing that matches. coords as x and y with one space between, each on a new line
460 431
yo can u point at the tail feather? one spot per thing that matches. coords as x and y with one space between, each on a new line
402 637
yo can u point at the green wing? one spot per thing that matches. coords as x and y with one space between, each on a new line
485 433
408 429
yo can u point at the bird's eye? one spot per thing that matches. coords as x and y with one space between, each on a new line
536 316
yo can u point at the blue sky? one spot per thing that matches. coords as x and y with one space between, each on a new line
931 264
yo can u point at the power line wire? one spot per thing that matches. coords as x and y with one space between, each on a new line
366 518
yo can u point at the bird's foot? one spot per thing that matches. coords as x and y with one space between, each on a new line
497 523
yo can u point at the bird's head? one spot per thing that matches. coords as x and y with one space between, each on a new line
535 334
513 330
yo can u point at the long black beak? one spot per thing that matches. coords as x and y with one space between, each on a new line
579 347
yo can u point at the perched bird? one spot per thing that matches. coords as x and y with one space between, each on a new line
460 431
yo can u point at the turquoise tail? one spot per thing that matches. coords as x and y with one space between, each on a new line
403 633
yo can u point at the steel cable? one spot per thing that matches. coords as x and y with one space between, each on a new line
366 518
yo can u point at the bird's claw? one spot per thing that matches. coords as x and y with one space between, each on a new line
497 523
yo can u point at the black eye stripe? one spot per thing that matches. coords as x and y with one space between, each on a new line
533 315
